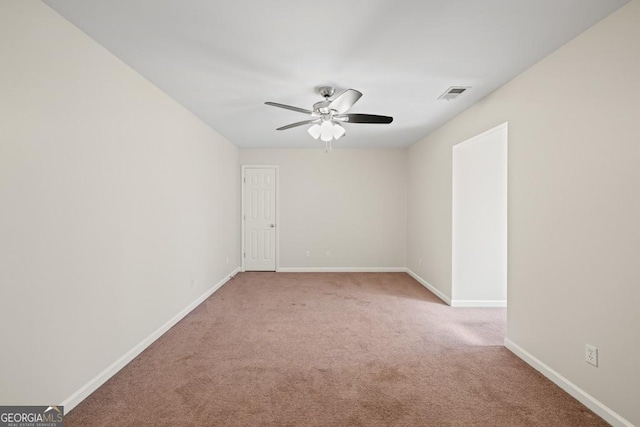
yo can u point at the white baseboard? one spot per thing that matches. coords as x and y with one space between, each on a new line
342 269
429 286
478 303
582 396
443 297
84 391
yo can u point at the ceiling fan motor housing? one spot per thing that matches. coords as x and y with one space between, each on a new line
322 107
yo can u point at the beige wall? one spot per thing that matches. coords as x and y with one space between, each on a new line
573 207
350 202
113 200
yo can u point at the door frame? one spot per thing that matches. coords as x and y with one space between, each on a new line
276 168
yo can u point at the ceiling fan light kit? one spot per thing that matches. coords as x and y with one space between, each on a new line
328 114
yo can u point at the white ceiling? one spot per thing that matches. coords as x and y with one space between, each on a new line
223 59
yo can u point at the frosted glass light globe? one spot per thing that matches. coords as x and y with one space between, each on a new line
326 131
314 131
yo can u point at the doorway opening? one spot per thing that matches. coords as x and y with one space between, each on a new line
479 220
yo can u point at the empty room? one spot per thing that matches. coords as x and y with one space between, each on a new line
364 213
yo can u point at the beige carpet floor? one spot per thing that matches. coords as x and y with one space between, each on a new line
331 349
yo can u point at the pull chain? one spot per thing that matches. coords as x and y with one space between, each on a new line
327 147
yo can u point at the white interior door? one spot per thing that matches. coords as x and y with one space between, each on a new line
260 219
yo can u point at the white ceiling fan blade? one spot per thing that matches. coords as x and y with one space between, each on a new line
343 102
293 125
289 107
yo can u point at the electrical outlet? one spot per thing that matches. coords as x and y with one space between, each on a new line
328 254
591 355
308 253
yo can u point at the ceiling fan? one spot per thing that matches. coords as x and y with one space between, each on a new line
328 115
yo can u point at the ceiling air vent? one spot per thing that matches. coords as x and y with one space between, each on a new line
453 92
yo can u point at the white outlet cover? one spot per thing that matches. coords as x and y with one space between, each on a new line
591 355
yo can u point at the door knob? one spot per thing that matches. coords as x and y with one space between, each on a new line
272 225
